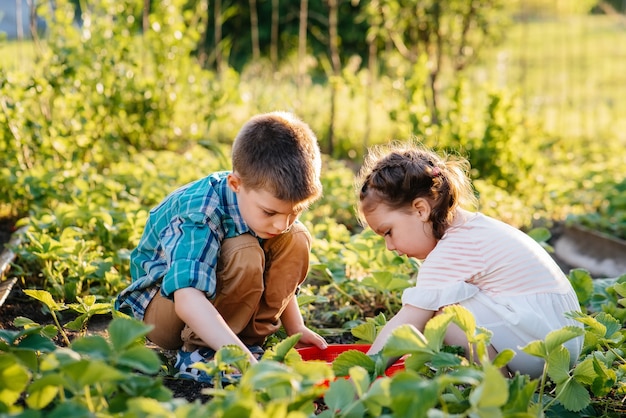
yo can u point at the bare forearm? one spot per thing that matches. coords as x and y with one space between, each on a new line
292 318
406 315
195 310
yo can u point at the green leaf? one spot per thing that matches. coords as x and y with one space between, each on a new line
444 360
89 372
43 391
404 340
45 297
14 378
557 337
503 358
365 332
463 318
140 358
125 332
540 234
282 349
350 358
611 324
412 395
95 346
340 394
558 365
582 283
573 395
378 397
361 379
37 343
493 391
435 330
536 348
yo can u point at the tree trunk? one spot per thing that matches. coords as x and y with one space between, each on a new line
302 31
371 76
254 29
218 35
274 41
333 38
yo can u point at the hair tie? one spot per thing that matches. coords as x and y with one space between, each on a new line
436 171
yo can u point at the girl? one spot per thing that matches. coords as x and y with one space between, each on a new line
412 197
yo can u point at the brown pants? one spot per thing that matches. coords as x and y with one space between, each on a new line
254 285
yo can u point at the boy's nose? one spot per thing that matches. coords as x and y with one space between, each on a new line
282 223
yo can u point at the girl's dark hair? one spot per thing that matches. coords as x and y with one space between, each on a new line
398 173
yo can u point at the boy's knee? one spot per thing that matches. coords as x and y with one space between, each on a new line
295 242
241 264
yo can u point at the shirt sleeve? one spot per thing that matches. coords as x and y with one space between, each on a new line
191 249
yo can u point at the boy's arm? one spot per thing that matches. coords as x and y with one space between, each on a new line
294 323
195 310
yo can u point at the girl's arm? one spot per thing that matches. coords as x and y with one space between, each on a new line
195 310
294 323
408 314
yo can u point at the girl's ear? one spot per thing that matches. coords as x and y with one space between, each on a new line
422 209
234 182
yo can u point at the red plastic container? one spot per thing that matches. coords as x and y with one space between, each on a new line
333 350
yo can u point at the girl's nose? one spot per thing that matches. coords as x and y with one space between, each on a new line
389 244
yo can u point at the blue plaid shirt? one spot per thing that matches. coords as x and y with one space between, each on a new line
180 245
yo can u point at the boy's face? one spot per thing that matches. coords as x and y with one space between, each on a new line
266 215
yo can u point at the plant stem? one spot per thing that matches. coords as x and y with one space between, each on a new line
60 328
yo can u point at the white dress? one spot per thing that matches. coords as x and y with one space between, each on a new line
506 279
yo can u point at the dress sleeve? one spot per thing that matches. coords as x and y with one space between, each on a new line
434 299
191 249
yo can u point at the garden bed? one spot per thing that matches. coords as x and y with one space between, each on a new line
600 254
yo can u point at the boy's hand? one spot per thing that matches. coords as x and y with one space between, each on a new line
311 338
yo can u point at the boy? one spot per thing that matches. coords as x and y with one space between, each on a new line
221 259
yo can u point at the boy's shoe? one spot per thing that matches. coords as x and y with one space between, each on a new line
256 351
185 359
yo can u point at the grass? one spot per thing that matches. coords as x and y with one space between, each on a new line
570 72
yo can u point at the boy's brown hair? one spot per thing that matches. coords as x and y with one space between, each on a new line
277 152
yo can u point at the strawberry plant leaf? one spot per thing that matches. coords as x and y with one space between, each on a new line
582 283
412 395
339 397
95 346
351 358
361 379
14 378
573 395
140 358
87 372
43 390
283 348
558 365
404 340
444 360
492 392
125 332
561 336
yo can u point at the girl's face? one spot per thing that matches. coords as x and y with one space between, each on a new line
266 215
407 232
